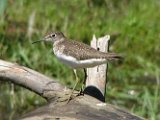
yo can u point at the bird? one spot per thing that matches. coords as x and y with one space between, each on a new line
76 54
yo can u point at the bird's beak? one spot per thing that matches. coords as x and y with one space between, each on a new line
37 41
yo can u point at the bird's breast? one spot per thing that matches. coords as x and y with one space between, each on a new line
74 63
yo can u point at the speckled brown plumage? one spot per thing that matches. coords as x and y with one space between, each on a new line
82 51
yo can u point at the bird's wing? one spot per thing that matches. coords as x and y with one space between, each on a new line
83 51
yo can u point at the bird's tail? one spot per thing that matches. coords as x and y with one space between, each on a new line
113 56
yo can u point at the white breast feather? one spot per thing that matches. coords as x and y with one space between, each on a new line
74 63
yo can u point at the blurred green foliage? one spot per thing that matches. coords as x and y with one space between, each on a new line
3 4
133 85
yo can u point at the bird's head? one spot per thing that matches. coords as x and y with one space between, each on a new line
52 37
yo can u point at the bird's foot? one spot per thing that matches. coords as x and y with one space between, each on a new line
81 92
71 96
74 95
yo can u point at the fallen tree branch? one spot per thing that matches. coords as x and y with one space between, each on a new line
29 79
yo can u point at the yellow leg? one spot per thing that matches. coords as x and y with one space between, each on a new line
77 81
84 81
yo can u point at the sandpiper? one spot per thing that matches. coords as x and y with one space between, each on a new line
76 54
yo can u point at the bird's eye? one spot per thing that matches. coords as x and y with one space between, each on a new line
53 35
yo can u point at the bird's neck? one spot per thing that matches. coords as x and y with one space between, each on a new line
59 41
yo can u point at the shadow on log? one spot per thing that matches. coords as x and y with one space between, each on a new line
94 92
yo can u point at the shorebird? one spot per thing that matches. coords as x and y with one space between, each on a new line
76 54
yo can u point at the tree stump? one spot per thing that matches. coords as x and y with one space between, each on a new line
96 76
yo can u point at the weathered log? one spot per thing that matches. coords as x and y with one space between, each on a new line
29 79
81 107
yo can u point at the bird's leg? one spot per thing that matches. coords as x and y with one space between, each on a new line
85 75
77 80
84 81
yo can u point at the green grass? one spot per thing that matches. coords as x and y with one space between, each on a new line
133 85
